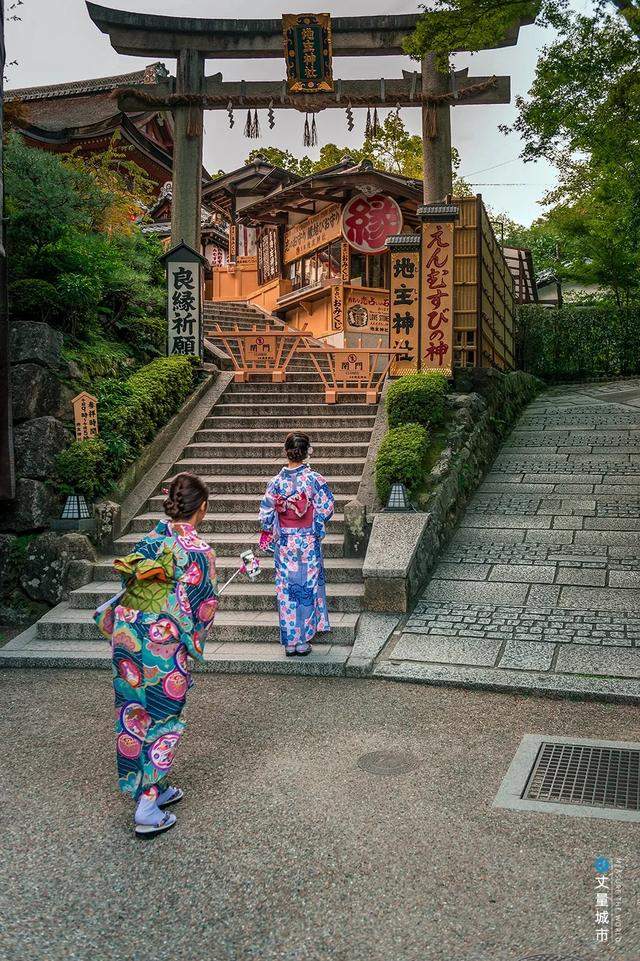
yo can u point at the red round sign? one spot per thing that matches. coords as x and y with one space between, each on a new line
368 221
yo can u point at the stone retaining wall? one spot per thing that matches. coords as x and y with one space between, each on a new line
403 548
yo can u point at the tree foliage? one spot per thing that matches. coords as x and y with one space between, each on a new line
393 149
69 226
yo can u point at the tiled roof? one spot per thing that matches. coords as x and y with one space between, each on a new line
77 88
80 103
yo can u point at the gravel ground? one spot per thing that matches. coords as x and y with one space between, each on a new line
285 848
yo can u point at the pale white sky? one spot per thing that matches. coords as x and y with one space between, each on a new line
56 41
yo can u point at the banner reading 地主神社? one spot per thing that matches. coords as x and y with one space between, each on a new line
436 347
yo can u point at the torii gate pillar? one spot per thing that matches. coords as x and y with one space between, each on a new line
187 152
436 144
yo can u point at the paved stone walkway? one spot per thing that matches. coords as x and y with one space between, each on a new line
286 847
538 588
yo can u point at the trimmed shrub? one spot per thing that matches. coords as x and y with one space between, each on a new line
130 414
417 399
83 467
401 459
577 343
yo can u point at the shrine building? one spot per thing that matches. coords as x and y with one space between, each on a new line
313 251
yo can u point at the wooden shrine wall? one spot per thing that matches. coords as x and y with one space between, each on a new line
483 296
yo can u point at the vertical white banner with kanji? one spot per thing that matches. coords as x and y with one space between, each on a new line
437 297
183 309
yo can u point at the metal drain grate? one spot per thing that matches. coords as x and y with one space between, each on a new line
602 777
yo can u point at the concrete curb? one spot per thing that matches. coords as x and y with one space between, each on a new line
613 690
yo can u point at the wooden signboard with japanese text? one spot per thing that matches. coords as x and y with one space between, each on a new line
405 310
337 307
436 338
367 311
268 255
314 232
261 349
351 365
307 51
85 415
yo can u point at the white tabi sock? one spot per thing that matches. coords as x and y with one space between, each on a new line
165 796
147 811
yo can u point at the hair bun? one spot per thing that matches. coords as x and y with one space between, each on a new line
171 509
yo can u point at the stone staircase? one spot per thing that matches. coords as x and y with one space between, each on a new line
236 450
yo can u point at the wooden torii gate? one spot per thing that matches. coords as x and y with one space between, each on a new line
193 40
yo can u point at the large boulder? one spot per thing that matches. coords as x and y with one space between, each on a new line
36 444
31 508
35 391
34 342
55 564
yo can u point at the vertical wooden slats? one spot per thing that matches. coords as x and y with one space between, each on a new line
483 297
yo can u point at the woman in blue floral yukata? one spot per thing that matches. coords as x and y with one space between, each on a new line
294 511
160 619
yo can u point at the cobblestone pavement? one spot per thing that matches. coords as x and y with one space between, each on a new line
538 588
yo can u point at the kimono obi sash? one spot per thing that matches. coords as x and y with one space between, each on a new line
296 511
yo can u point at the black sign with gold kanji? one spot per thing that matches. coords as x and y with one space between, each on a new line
307 51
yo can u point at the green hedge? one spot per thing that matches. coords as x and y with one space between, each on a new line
417 399
577 343
130 413
401 459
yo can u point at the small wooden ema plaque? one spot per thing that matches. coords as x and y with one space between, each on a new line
85 414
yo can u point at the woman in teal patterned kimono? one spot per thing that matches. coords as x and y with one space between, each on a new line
159 621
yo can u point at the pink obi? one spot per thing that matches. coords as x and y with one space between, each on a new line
294 511
290 519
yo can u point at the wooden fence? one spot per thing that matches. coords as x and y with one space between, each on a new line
483 294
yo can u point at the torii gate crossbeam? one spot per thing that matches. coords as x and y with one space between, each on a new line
193 40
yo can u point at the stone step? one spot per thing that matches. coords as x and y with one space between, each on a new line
294 378
221 523
257 397
355 435
269 422
248 484
233 543
326 660
241 451
292 410
230 502
222 465
337 570
293 389
239 596
68 624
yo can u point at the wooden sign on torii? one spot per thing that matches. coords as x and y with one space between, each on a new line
193 40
